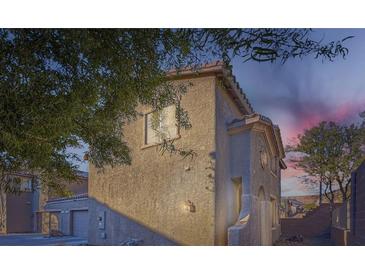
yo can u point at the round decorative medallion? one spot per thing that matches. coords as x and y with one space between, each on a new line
263 158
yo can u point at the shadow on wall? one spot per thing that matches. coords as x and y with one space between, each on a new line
109 227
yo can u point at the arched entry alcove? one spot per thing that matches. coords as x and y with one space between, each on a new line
54 221
263 217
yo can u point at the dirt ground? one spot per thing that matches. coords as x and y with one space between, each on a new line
323 240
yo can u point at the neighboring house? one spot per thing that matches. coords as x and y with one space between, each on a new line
292 207
357 207
229 194
24 212
17 211
314 199
304 199
67 216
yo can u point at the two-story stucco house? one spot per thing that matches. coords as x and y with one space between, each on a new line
228 194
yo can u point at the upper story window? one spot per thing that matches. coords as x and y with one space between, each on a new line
274 165
161 125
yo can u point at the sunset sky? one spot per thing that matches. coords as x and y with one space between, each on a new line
301 93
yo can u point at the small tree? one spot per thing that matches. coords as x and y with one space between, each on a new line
329 153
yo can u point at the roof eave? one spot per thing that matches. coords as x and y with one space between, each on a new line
221 71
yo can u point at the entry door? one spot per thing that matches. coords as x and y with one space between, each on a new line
80 223
263 219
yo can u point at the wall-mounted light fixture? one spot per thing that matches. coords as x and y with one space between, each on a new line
86 156
189 206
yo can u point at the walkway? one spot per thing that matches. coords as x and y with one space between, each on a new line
32 239
323 240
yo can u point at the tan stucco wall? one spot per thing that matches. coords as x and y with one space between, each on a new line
154 190
150 195
263 178
238 158
259 187
226 112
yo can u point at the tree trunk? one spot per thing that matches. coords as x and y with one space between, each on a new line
320 192
342 190
2 212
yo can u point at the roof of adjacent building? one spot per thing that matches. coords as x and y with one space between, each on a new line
82 173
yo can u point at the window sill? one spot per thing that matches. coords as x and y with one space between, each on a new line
157 144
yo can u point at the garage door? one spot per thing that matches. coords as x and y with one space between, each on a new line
80 223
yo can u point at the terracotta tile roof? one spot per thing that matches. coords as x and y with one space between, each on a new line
222 71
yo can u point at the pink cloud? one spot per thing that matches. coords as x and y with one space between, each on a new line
345 112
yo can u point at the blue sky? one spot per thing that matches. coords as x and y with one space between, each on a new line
301 93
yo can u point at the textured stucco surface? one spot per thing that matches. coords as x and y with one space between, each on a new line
245 162
226 112
238 157
147 200
268 181
119 229
154 190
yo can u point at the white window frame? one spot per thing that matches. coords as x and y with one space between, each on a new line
145 131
